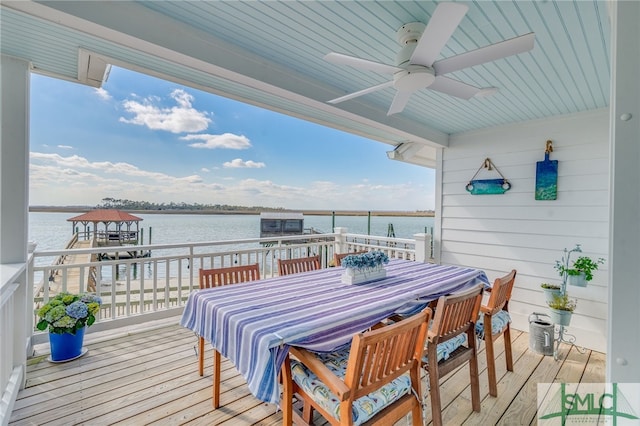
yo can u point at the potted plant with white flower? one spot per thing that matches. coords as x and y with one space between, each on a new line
66 316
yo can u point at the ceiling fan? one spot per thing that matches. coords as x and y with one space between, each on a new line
416 66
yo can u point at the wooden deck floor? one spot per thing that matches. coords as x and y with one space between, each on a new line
151 377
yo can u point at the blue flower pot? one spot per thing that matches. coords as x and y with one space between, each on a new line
66 346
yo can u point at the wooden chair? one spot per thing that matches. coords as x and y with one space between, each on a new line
454 319
301 264
214 278
494 322
364 375
337 257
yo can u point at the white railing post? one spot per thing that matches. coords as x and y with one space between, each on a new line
423 247
341 240
13 335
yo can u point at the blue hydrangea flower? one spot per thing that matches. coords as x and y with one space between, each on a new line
77 310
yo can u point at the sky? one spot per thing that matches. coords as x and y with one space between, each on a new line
145 139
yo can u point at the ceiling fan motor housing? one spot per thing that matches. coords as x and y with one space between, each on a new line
415 77
408 36
410 33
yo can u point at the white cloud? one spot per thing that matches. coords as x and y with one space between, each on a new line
205 170
178 119
106 167
103 94
239 163
85 183
65 146
75 180
225 140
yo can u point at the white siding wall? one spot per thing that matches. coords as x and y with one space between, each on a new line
500 232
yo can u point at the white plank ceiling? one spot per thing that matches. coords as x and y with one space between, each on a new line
270 53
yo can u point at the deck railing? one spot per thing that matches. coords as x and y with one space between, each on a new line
14 334
138 289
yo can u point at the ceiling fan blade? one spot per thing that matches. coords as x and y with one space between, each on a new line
443 23
453 87
489 53
365 64
361 92
399 102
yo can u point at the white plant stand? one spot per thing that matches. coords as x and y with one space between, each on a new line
562 335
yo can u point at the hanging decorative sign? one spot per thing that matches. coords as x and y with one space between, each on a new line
488 186
547 176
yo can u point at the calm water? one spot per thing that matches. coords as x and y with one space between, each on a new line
52 231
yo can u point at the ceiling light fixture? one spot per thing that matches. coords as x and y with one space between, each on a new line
404 151
487 91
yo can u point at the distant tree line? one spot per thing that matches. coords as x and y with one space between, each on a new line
112 203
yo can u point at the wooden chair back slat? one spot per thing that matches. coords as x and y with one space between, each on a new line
455 314
216 277
500 293
295 266
385 353
337 257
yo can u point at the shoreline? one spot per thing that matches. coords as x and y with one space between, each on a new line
84 209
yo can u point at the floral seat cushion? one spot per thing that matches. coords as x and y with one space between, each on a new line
498 322
445 349
363 408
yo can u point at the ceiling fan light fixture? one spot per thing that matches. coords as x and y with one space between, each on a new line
415 77
486 92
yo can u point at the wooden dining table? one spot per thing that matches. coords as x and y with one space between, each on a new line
253 324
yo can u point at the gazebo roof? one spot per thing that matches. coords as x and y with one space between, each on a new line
105 215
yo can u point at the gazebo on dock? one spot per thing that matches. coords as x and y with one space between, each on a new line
110 227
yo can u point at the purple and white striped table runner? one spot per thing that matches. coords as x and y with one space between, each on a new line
252 324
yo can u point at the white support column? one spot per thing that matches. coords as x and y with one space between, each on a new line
623 363
437 223
14 217
423 247
14 159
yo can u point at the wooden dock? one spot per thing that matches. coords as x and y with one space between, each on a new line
151 377
79 279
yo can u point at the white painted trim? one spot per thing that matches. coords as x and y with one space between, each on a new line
623 363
